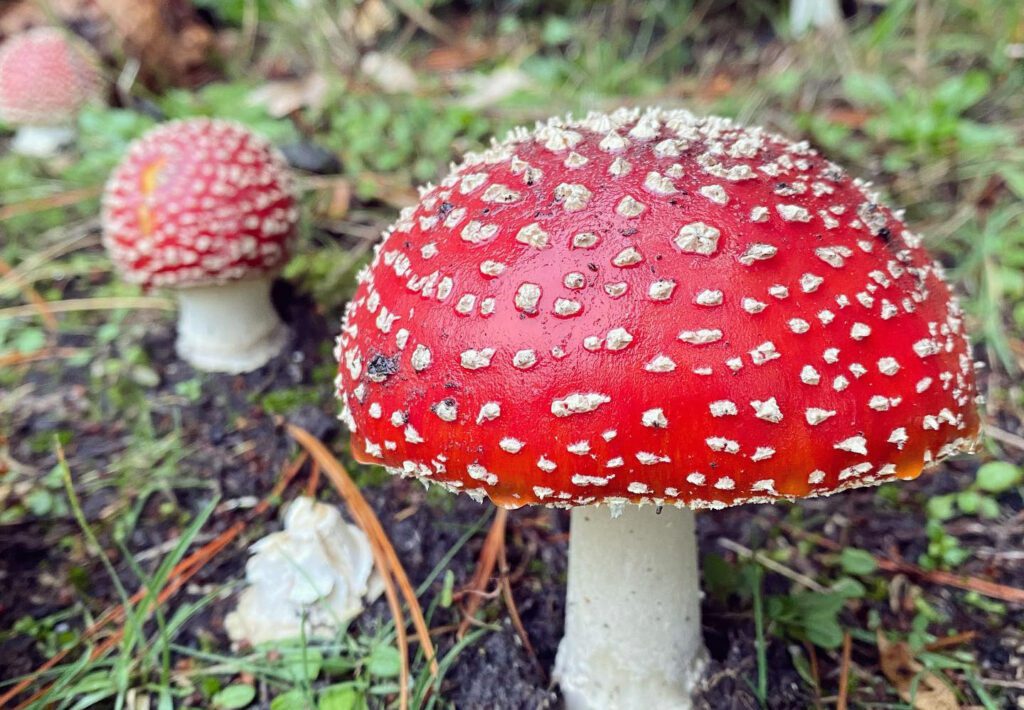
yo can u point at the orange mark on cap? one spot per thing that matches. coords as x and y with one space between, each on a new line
147 185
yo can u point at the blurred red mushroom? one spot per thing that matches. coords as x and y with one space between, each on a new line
46 77
648 308
206 208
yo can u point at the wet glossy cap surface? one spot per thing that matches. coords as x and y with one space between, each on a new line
651 306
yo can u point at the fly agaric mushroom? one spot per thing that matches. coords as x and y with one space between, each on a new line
649 307
206 207
45 79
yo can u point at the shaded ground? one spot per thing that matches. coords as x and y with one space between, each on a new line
235 449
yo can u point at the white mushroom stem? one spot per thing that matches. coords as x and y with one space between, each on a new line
805 14
632 621
41 141
231 328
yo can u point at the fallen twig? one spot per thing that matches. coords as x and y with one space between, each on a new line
844 672
31 295
11 359
513 610
102 303
768 563
40 204
1005 437
950 641
982 586
83 237
383 552
473 593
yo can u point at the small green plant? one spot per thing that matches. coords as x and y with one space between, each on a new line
992 479
944 550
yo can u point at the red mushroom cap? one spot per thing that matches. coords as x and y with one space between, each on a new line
653 307
45 77
198 202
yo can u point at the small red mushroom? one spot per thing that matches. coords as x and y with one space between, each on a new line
206 208
649 307
45 79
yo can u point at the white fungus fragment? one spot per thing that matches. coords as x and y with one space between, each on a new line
658 184
479 473
584 240
767 410
311 578
899 437
420 358
793 213
809 283
661 290
888 366
491 268
573 197
574 280
580 448
719 443
660 363
854 444
579 403
446 410
629 207
816 416
715 193
764 353
615 290
524 359
701 336
757 252
698 238
618 338
476 359
533 235
527 296
511 445
630 256
708 297
567 307
654 418
859 331
752 305
488 412
723 408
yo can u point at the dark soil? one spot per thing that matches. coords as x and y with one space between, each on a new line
238 450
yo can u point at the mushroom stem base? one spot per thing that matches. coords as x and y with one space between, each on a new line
229 328
632 622
41 141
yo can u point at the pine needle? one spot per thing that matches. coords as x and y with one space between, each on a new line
384 553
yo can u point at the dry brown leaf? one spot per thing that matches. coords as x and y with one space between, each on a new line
333 198
901 668
166 36
286 96
368 19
